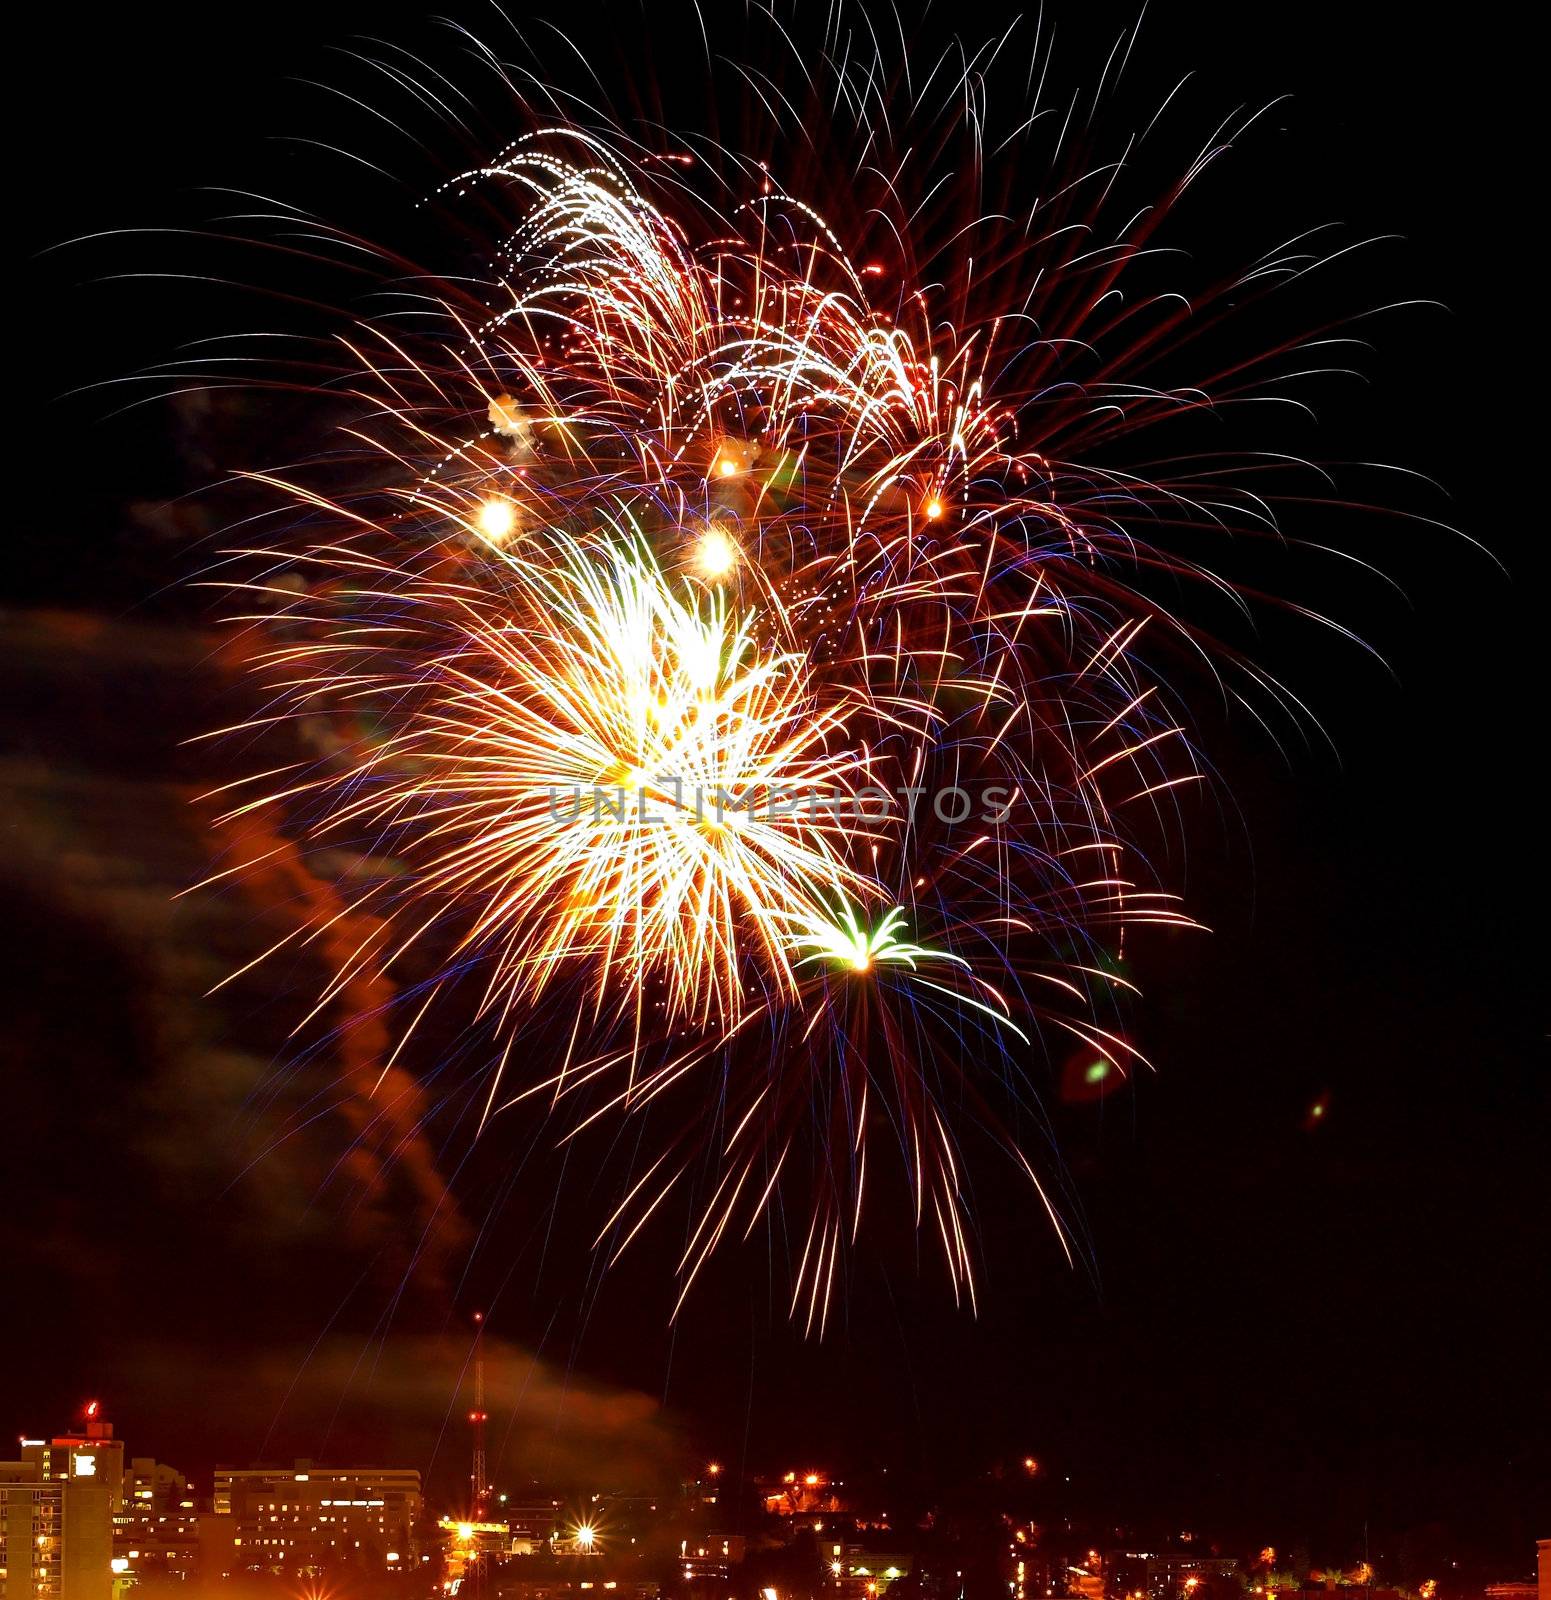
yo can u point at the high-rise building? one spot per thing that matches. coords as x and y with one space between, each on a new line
153 1486
56 1533
156 1529
308 1519
57 1505
89 1454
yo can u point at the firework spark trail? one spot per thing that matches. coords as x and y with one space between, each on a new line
578 766
674 517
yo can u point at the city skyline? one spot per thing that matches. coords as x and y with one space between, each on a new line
348 1527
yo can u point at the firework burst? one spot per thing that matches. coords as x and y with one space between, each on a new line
732 661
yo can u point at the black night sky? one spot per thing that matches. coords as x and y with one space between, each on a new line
1326 1329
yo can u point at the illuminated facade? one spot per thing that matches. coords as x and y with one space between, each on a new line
859 1570
156 1529
309 1519
535 1518
557 1588
800 1494
468 1546
1162 1574
712 1556
56 1533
